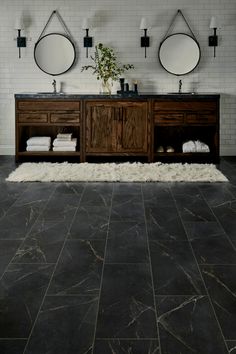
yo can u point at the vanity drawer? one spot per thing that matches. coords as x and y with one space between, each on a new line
64 118
169 118
195 106
32 117
201 117
48 105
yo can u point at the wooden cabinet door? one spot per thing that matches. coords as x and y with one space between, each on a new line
101 124
132 129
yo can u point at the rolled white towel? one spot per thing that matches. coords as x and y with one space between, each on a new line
39 140
38 148
64 136
64 148
201 147
189 146
59 142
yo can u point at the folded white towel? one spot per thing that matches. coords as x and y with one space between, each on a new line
39 140
38 148
64 136
63 148
59 142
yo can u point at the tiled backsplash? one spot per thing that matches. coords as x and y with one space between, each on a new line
116 24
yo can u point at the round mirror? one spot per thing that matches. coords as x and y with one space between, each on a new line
54 53
179 54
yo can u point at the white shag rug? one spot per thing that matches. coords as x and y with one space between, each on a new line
116 172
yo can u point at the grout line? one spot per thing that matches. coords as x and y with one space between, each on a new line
101 281
133 339
199 270
53 272
151 273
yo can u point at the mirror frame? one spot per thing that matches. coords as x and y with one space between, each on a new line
58 34
187 35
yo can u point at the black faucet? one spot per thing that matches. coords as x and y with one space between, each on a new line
180 86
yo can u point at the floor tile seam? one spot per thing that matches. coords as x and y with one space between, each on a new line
204 284
102 272
126 263
151 274
32 263
128 338
27 234
219 223
53 272
9 338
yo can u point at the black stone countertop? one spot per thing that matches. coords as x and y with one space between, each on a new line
65 96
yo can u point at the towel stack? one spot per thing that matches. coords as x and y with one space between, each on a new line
64 142
38 143
195 146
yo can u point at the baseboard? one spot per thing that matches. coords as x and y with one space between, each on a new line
7 150
228 151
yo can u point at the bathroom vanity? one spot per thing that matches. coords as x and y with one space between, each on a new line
117 126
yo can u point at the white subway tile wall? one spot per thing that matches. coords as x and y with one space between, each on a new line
116 23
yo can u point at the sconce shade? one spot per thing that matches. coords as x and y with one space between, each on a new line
85 23
143 23
213 23
19 23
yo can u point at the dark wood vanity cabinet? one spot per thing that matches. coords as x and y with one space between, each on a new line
192 118
44 117
116 127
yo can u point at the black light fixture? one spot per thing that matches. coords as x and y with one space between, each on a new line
213 40
88 41
145 39
21 41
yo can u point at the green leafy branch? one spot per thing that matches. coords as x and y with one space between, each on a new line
105 64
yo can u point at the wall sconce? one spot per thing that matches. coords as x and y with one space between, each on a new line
213 40
88 41
145 38
21 41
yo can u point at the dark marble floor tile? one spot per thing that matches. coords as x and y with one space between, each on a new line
37 195
127 188
14 346
21 292
65 325
231 346
210 244
126 303
127 207
127 243
157 195
7 250
90 222
119 346
99 194
18 221
226 214
216 193
164 223
60 208
44 243
9 194
187 325
190 203
75 189
221 285
174 269
79 268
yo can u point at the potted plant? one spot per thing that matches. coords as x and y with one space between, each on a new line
106 66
